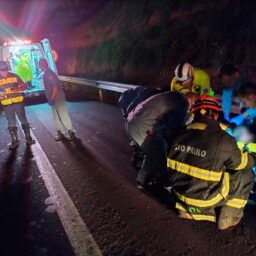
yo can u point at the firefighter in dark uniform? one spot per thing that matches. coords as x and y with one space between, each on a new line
12 100
204 164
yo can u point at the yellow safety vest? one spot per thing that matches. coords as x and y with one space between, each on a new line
11 97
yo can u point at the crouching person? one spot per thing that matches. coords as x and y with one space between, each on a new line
207 169
148 124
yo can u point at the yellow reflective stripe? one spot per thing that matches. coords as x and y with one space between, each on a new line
17 99
6 102
12 100
8 80
251 146
225 185
180 207
196 216
244 161
240 145
197 126
193 171
223 127
207 203
11 80
236 203
204 217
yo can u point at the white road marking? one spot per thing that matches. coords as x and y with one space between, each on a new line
76 230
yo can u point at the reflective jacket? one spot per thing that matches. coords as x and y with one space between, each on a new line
198 162
12 87
200 85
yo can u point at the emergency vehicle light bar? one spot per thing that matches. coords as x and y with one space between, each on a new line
18 42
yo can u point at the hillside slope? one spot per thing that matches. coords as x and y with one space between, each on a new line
142 41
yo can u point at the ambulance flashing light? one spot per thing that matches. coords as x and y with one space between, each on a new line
18 42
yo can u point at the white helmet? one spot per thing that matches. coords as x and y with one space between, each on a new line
183 72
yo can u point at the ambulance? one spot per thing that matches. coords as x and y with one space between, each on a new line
23 59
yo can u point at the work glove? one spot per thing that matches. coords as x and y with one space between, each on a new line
237 119
227 118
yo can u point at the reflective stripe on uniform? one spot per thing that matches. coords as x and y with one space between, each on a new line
17 99
197 126
250 146
8 80
223 127
210 202
12 100
244 161
6 102
193 171
180 207
204 217
236 203
196 216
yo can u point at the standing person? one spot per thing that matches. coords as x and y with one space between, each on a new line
190 79
57 100
207 170
149 125
12 99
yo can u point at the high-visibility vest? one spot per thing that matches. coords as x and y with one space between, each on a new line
11 97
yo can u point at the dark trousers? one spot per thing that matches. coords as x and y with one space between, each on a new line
15 109
154 163
241 184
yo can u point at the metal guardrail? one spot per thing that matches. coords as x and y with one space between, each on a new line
120 87
111 86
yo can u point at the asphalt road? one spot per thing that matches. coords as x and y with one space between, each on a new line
95 171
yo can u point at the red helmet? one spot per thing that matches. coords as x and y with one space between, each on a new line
206 102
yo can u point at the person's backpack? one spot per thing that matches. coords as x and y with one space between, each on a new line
132 97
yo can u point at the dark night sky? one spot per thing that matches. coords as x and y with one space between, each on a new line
43 18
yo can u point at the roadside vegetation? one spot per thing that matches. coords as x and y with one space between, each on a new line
142 41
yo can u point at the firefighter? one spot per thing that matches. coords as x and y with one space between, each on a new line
57 100
12 99
190 79
149 124
204 164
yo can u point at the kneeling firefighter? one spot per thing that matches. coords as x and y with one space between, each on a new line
207 169
12 99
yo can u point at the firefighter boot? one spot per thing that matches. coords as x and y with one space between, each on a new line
15 141
26 130
227 220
